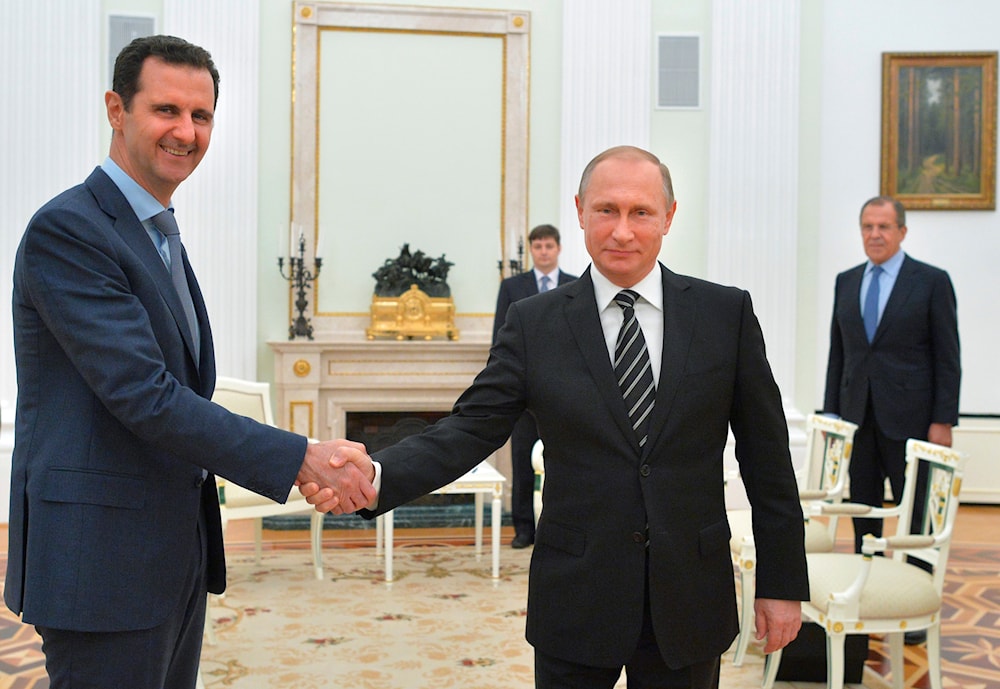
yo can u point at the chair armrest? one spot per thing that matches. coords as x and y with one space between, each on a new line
816 494
851 509
871 545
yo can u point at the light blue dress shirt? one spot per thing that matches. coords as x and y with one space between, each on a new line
890 271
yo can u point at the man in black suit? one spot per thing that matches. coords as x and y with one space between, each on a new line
895 371
115 534
631 564
543 242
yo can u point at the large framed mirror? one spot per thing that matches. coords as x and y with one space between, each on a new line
410 126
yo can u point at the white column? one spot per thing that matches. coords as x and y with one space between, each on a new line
754 165
217 205
607 52
54 81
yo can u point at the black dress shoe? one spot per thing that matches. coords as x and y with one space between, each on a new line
521 541
915 638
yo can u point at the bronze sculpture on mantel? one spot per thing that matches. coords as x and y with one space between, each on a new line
412 298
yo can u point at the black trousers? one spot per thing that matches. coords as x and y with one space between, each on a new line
646 669
164 657
875 458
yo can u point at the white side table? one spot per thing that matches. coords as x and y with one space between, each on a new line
482 480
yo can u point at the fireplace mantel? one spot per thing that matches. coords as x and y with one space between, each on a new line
318 382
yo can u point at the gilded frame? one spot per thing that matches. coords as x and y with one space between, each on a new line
313 18
939 129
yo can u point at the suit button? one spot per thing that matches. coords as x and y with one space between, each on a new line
638 537
644 470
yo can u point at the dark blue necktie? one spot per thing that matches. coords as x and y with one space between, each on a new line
870 313
632 367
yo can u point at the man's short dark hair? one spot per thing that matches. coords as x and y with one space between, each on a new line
170 49
887 200
543 232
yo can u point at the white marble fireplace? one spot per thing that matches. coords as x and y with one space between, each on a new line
318 383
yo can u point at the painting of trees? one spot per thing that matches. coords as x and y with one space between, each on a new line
939 129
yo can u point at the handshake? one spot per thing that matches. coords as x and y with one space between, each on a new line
337 476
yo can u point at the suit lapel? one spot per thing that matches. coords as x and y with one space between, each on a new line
585 327
852 298
132 232
678 329
897 298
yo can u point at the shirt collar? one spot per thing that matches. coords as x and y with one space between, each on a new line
553 276
142 202
892 266
650 288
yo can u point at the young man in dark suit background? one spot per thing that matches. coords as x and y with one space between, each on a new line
894 364
544 245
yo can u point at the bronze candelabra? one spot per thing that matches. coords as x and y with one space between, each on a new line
301 280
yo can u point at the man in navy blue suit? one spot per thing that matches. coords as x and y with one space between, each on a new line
543 242
115 535
895 370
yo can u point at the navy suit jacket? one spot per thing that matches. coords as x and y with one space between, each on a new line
114 425
603 496
520 286
912 366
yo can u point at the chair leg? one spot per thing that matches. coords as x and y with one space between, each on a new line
896 663
934 655
835 660
316 533
746 614
771 664
258 536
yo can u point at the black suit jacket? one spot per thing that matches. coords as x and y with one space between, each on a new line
114 425
603 496
912 366
516 287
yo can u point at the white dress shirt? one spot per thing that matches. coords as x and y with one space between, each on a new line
648 311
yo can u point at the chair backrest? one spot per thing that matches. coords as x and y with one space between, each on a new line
945 468
245 397
829 443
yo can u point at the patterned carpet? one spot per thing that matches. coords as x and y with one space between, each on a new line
445 623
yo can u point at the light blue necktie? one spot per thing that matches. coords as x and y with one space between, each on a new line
544 284
167 225
870 313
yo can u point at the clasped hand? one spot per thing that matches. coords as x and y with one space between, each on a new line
336 476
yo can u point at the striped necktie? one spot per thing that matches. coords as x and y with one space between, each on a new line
632 367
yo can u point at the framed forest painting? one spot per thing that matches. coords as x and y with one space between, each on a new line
939 129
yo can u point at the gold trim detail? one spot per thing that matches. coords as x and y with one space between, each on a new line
301 368
291 417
